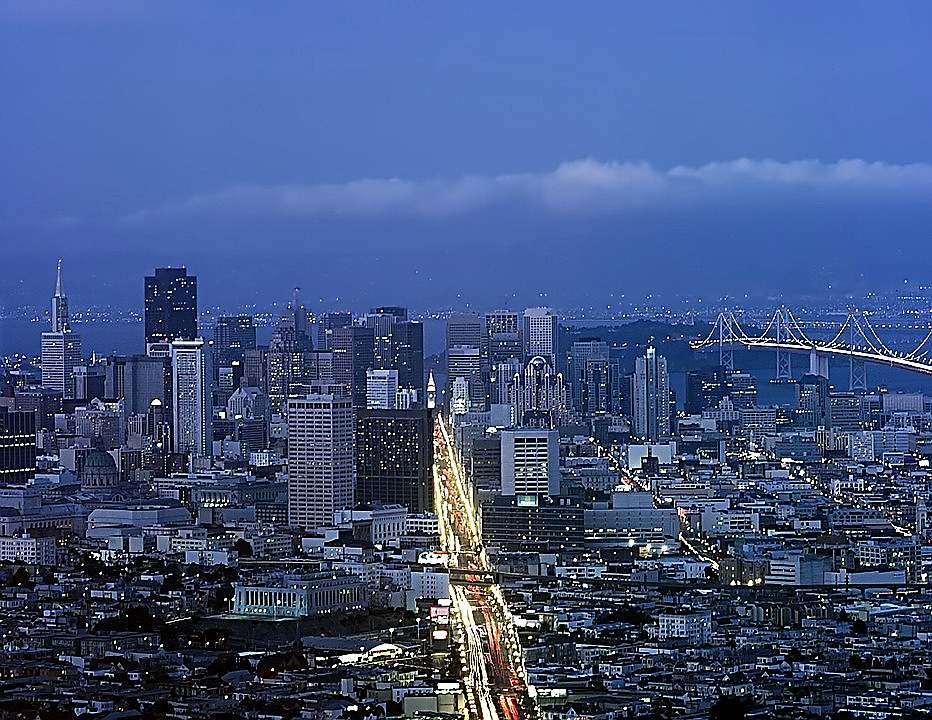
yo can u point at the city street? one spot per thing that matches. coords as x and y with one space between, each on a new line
492 662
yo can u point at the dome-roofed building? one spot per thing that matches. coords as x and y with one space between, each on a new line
99 471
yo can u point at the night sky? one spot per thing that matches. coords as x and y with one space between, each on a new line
432 154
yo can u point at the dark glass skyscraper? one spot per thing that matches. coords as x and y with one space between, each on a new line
330 321
408 355
394 458
233 335
381 320
353 353
17 446
171 305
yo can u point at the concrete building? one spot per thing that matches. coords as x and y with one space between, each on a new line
650 393
190 397
321 456
381 389
541 334
530 461
302 596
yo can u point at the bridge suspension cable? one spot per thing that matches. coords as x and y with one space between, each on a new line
856 339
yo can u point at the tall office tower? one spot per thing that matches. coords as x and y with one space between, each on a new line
503 385
191 411
540 395
303 322
17 446
171 306
321 456
254 368
61 348
541 334
581 351
394 458
353 354
464 356
845 411
704 388
465 361
318 367
330 321
381 389
501 349
284 364
233 336
89 382
464 329
502 336
381 320
137 380
650 392
741 387
285 376
812 402
530 465
408 355
485 462
596 396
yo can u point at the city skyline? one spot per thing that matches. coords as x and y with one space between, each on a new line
471 362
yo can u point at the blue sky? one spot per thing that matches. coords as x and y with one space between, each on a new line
363 150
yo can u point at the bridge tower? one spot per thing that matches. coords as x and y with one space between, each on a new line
784 356
726 340
857 372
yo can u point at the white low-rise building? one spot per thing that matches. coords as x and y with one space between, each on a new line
34 551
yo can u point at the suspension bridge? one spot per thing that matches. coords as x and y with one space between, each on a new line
855 339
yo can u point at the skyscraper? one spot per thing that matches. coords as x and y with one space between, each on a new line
465 361
541 334
353 355
596 395
190 397
17 446
704 388
394 458
170 305
530 464
321 457
61 347
408 355
380 320
812 402
539 394
464 329
502 337
651 397
233 336
284 363
330 321
303 320
464 356
583 350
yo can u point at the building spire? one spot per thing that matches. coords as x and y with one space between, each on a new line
59 287
60 316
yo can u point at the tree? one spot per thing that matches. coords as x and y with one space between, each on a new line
243 548
728 707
